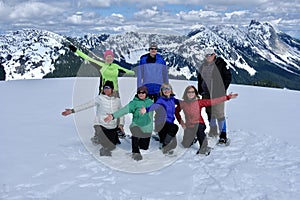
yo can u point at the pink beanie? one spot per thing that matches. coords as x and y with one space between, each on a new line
107 53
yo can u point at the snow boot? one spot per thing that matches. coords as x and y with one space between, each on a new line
95 140
223 139
213 132
105 152
204 149
121 134
166 147
155 136
137 156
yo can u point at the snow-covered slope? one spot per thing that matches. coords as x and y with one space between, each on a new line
30 54
47 156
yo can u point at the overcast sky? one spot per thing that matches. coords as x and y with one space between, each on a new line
164 16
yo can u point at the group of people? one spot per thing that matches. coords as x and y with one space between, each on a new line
155 107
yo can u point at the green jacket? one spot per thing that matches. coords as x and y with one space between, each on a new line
144 121
108 71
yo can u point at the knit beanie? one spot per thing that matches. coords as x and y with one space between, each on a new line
109 84
153 45
108 52
209 51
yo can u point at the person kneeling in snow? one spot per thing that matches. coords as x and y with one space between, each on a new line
141 126
105 132
165 111
194 123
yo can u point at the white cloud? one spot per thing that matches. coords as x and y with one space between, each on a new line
4 11
178 15
196 15
236 13
29 10
147 13
97 3
117 15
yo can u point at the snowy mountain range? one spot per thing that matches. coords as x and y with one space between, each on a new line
258 54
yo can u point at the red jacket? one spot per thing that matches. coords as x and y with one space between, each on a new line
192 110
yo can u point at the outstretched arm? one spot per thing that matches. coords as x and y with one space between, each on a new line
67 112
108 118
211 102
86 57
232 95
123 70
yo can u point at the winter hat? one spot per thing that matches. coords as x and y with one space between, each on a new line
109 84
108 52
142 89
209 51
153 45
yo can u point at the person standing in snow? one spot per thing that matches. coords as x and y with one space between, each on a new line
165 116
152 71
105 132
214 79
194 124
141 126
108 70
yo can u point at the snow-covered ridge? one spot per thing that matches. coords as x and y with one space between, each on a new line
30 54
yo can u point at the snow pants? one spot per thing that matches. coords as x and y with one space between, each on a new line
108 138
190 133
167 135
139 139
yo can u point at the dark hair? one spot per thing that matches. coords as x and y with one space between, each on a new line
141 89
185 97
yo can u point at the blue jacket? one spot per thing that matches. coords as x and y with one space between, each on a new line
152 75
165 109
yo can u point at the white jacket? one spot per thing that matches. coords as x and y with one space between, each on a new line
105 105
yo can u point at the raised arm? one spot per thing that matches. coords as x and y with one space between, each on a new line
86 57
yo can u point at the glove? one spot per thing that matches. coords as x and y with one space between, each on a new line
232 96
73 48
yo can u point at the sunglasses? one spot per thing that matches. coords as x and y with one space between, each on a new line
165 89
210 54
152 48
190 92
106 87
141 92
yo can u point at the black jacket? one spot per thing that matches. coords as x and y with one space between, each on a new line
217 84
